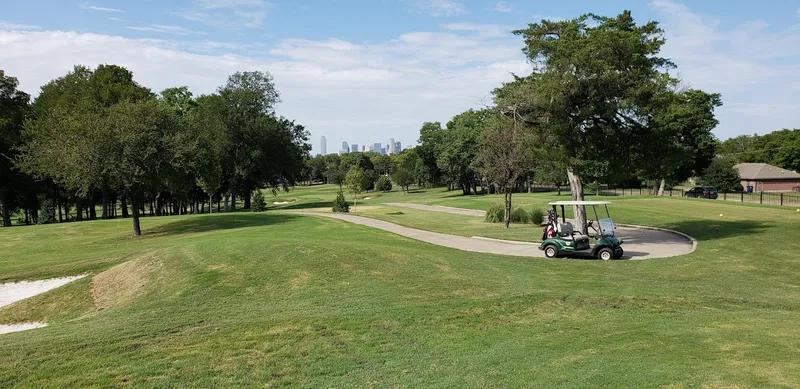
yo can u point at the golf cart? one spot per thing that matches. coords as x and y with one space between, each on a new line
561 240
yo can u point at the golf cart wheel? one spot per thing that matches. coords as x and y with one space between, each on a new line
605 254
551 251
618 253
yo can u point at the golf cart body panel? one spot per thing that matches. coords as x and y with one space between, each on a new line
569 243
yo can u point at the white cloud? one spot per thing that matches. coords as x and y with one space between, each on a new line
487 30
753 65
161 28
228 14
438 8
101 9
16 26
502 6
361 93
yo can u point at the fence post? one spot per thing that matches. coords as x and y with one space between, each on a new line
781 199
724 195
762 197
640 191
742 197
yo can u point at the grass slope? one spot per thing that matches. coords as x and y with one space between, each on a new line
283 300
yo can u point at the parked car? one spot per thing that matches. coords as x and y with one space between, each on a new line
703 192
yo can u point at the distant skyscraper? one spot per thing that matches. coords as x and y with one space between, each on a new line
376 147
397 147
390 147
363 149
354 148
384 151
323 145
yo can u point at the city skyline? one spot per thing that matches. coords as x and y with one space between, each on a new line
391 147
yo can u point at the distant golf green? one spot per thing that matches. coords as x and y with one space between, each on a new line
279 299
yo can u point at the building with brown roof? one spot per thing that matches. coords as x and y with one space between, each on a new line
764 177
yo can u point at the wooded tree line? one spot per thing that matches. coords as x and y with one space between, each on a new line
778 148
599 106
96 137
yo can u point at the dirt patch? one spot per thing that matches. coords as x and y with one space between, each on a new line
443 267
300 279
220 266
123 283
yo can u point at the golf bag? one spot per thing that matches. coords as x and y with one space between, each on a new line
549 229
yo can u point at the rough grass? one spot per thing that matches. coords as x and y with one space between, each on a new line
283 300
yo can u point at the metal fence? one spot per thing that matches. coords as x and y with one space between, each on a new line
788 199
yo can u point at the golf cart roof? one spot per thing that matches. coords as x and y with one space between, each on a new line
580 203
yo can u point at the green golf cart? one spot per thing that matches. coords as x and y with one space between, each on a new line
561 239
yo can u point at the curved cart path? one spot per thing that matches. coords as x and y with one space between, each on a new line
639 243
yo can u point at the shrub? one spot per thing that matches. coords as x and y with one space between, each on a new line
47 214
519 215
497 214
537 216
340 204
258 204
384 184
722 175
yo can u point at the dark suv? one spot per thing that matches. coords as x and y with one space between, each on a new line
703 192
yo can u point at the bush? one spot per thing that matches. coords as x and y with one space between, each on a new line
497 214
384 184
258 204
340 204
537 216
47 214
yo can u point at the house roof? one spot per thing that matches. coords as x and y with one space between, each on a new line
762 171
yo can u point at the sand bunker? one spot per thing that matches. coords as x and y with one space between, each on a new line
14 291
8 328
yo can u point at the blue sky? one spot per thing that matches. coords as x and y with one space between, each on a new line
365 71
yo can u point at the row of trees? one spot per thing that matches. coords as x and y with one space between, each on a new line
369 166
97 136
600 105
778 148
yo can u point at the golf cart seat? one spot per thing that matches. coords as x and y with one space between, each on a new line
566 232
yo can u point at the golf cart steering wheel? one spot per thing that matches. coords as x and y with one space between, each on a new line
591 225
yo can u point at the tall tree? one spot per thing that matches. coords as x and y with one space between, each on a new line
457 149
356 181
592 76
506 152
404 167
14 109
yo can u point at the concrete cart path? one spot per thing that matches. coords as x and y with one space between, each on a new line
521 249
639 243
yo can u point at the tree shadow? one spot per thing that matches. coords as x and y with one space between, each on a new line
395 213
718 229
313 204
228 221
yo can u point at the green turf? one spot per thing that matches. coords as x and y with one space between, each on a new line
285 300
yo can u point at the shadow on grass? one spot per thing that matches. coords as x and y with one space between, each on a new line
395 213
313 204
207 223
704 230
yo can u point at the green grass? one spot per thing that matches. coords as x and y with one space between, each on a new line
284 300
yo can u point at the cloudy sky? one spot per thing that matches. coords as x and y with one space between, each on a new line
364 71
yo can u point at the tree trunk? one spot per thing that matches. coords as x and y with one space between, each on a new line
60 214
219 202
6 211
106 206
661 187
124 205
78 210
92 208
227 198
233 200
508 206
579 211
137 229
211 203
247 200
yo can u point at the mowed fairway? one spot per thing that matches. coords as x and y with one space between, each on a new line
285 300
